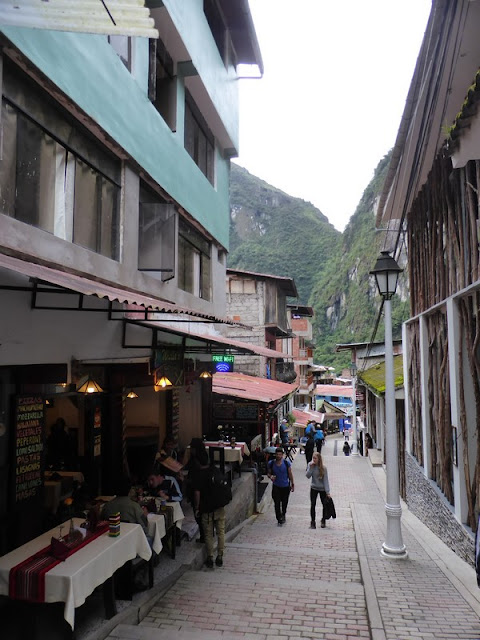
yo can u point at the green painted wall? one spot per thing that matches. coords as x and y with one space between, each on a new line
87 70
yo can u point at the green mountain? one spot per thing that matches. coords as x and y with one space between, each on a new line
272 232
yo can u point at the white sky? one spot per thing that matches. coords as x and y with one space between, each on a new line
337 73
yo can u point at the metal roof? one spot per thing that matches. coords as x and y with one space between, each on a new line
286 283
338 390
195 339
91 287
112 17
250 387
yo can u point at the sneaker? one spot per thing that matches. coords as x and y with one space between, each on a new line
313 525
280 523
284 519
219 561
323 524
209 562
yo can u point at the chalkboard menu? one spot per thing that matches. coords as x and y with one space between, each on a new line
246 412
29 447
224 411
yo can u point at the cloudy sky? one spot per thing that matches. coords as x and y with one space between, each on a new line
330 103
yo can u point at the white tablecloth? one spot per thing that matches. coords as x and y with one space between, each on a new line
74 580
242 445
178 515
231 455
156 530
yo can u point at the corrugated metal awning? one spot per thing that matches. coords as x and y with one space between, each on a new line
240 385
90 287
337 390
192 341
110 17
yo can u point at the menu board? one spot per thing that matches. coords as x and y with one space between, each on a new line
224 411
246 412
29 447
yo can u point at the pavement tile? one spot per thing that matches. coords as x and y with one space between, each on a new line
332 584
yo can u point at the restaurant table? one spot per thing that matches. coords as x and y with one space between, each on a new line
232 454
73 580
156 530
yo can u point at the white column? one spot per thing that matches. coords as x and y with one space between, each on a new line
459 485
425 398
406 360
393 546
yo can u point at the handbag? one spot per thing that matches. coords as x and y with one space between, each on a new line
330 509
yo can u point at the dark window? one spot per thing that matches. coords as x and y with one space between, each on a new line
52 176
199 141
162 89
156 234
194 269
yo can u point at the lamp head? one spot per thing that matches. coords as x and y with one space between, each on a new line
386 271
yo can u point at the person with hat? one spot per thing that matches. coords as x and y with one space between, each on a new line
284 431
280 473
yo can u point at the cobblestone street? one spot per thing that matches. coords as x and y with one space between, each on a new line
331 583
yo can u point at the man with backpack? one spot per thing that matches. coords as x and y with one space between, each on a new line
211 497
280 473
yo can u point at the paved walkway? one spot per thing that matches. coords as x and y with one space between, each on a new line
331 583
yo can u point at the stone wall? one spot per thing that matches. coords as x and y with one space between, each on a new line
429 505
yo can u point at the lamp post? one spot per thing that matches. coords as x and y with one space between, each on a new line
386 273
353 373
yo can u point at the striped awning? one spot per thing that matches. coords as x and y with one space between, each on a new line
110 17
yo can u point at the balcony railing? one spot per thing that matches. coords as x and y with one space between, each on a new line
305 353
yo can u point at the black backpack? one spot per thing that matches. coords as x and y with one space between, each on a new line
218 492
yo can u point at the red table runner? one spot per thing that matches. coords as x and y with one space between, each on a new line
27 579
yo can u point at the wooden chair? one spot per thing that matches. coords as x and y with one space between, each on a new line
219 460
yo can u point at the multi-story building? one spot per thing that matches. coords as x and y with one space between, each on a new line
114 215
302 352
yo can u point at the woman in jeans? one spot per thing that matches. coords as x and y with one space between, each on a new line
318 473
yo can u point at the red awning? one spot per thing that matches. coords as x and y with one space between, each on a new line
302 418
250 387
336 390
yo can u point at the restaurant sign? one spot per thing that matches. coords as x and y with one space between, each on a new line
29 447
223 363
170 362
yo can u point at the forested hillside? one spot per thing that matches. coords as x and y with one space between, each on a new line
272 232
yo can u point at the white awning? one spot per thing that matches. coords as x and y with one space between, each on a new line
111 17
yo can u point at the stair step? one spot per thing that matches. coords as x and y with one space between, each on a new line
133 632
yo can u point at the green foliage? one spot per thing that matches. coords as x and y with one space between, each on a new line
274 233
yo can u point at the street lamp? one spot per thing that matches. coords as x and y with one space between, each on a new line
386 273
353 373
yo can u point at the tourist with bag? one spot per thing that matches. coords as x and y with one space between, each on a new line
280 473
211 497
319 475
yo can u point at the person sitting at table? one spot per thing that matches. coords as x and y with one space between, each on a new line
130 511
164 486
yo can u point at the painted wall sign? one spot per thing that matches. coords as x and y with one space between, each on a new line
29 447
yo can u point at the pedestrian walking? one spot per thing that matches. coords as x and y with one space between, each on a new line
280 473
318 437
309 447
346 448
319 475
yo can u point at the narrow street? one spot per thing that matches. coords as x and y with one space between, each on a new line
330 583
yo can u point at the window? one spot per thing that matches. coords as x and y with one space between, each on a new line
162 85
50 174
199 141
221 35
156 234
123 46
193 261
